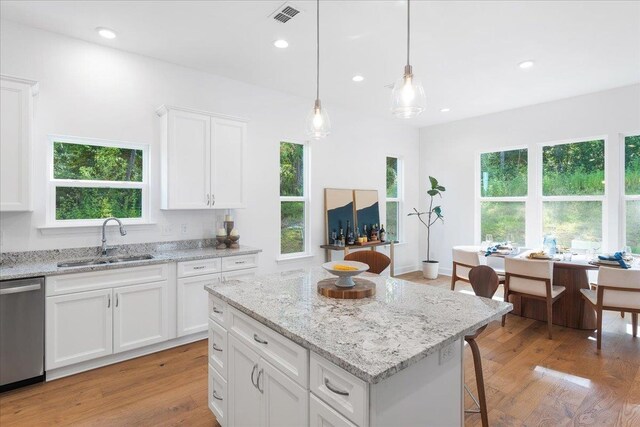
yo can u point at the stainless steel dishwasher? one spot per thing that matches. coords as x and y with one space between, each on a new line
21 332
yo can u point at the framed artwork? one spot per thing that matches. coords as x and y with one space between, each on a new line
366 206
338 204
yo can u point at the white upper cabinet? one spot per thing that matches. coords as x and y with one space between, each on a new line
202 160
16 116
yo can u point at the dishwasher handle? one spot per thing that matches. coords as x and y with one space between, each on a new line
20 289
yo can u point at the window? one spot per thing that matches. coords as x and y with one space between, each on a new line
294 203
632 192
91 180
394 198
503 195
573 193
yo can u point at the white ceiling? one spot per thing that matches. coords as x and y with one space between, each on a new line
465 52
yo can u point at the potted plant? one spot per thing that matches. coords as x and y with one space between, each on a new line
430 267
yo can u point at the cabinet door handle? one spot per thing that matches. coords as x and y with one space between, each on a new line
258 381
213 199
260 340
215 396
199 267
241 262
334 389
216 311
215 348
116 300
108 301
208 200
253 371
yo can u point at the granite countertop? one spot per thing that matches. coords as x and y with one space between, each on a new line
48 266
372 338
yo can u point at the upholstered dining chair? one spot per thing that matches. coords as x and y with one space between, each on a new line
531 279
464 259
484 281
376 261
617 290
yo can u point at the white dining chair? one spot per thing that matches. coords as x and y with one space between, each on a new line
531 279
464 259
617 289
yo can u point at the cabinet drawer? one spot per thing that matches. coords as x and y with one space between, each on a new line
218 347
340 389
217 395
218 311
239 262
284 354
198 267
322 415
77 282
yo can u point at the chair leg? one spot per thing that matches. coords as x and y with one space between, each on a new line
453 282
477 364
599 333
549 315
506 299
634 324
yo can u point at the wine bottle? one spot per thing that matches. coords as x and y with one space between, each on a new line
383 233
364 233
341 238
350 240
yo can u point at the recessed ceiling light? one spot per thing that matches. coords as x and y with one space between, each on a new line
106 33
445 110
357 78
526 64
281 44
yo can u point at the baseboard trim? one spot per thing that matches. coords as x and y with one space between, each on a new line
65 371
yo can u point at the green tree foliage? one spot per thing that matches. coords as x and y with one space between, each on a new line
392 177
573 169
97 163
504 173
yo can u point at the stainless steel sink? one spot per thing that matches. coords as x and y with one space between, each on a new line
131 258
102 261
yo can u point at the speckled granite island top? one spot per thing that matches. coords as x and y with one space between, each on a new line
373 338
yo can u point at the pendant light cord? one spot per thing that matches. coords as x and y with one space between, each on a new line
408 29
317 49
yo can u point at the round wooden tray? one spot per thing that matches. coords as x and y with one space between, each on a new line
364 288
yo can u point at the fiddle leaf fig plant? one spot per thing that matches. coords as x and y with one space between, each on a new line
434 214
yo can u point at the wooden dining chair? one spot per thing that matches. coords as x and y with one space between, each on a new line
619 290
484 281
531 279
376 261
464 259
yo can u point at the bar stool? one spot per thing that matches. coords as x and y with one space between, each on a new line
376 261
484 281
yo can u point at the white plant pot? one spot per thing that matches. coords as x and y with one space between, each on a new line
430 269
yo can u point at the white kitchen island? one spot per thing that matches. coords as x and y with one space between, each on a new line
280 354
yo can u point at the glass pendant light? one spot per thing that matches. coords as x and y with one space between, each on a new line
408 98
317 125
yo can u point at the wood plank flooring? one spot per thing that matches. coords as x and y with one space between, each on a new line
530 381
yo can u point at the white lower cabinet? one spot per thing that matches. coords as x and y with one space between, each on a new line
323 415
141 316
78 327
285 403
261 395
218 396
192 307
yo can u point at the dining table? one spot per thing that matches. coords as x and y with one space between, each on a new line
570 310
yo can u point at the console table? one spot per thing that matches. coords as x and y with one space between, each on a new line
348 248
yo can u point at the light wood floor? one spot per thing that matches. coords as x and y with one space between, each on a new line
530 381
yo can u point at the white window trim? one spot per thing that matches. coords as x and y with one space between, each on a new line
306 198
479 198
399 199
52 183
624 197
604 199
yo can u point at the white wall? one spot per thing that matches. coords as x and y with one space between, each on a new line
87 90
449 153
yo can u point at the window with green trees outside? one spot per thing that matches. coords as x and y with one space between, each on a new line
92 181
632 192
293 198
394 182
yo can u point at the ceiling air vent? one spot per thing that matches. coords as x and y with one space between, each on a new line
284 13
